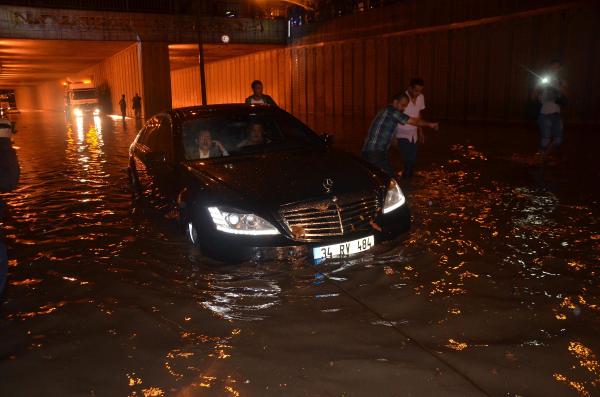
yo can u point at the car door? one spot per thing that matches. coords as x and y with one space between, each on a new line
141 155
138 154
160 161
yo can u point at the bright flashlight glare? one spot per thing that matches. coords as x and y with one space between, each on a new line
545 80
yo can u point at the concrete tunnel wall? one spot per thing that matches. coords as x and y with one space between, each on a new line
229 81
117 75
44 96
140 68
472 71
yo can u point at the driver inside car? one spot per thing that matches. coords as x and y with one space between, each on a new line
208 148
256 136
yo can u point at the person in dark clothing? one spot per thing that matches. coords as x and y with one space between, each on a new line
258 97
123 105
551 92
9 177
377 143
137 106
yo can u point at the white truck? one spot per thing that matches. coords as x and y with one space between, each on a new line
82 98
4 105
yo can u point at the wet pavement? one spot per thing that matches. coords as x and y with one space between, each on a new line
494 292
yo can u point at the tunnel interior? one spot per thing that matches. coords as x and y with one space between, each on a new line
36 70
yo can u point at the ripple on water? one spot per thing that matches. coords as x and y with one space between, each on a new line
495 268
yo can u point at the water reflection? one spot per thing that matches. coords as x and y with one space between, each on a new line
495 269
588 361
242 296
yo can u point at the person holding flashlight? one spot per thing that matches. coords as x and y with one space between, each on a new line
551 93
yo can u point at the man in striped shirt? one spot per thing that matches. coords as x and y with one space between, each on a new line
378 140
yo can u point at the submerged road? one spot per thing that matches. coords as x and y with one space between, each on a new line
494 292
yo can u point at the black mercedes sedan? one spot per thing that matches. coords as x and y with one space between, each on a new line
253 182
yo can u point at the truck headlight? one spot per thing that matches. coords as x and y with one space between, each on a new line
77 112
394 197
234 222
96 112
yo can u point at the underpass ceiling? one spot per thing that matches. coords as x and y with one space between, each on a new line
26 62
29 62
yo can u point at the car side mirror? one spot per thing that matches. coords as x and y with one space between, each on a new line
327 139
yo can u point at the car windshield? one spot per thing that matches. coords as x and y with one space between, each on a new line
84 94
213 137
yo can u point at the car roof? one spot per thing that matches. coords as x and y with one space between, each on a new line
193 112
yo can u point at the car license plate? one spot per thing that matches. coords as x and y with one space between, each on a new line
343 250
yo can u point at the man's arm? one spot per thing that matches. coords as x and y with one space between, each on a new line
403 118
220 146
423 123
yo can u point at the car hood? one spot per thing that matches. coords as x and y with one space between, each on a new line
288 177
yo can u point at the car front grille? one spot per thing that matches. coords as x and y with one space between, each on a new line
337 216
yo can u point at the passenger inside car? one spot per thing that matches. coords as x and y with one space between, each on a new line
209 148
231 136
256 135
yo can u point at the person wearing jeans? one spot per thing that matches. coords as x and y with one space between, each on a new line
408 150
551 131
381 132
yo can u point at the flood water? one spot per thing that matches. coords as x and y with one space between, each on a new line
496 290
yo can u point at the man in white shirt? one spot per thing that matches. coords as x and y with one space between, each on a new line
408 135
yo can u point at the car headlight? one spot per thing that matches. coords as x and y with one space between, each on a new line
394 197
241 223
78 112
